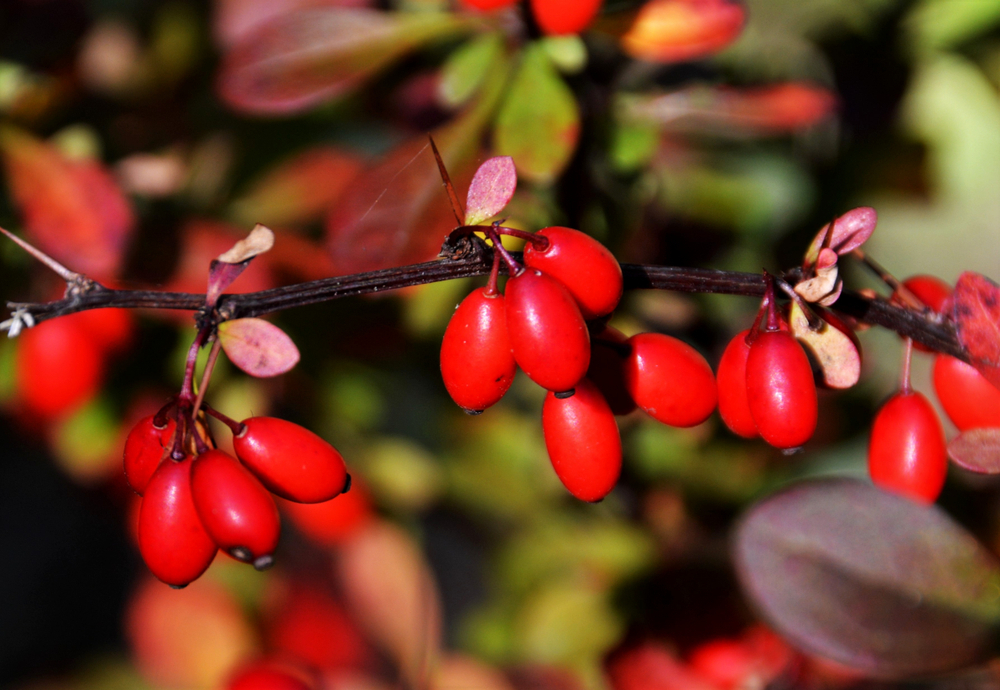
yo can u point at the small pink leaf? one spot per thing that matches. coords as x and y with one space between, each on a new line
492 187
975 308
850 231
977 450
258 347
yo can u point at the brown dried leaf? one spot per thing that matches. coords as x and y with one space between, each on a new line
977 450
260 240
975 308
837 355
258 347
823 284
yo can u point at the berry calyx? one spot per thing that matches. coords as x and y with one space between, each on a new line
781 391
172 540
731 377
907 453
291 461
477 363
969 400
670 380
583 442
555 17
236 510
583 265
548 335
146 445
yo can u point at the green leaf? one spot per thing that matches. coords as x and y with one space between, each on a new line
465 69
539 122
947 23
568 53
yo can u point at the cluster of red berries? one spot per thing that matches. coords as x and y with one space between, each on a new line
197 499
554 17
551 322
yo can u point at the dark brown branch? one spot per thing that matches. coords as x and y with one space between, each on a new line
475 263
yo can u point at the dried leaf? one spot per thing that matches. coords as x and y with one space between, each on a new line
258 347
823 283
850 231
539 122
312 55
977 450
202 241
838 356
260 240
491 188
390 589
676 30
299 190
868 579
975 308
73 210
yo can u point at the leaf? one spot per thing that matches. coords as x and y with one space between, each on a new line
309 56
850 231
975 308
72 209
491 188
228 266
299 190
539 122
977 450
836 353
236 19
464 70
390 589
676 30
869 579
258 347
824 282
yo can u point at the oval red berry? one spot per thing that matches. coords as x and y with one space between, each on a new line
781 391
145 446
970 401
556 17
734 407
670 380
907 453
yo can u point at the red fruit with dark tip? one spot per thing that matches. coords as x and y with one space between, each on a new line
547 332
172 540
781 391
236 510
734 407
582 438
263 675
670 380
608 351
970 401
145 446
477 363
583 265
290 460
555 17
58 368
907 453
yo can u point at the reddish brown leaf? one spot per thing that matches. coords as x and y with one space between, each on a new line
977 450
850 231
236 19
73 210
258 347
975 308
491 188
308 56
675 30
203 241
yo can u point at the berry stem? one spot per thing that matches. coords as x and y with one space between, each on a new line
206 375
187 395
540 242
815 322
491 284
513 267
234 426
773 322
897 286
904 385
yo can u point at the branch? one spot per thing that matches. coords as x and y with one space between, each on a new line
475 262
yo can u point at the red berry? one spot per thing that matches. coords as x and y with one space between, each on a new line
930 290
583 265
582 438
781 391
146 445
262 675
290 460
111 329
236 510
608 350
477 363
670 380
732 380
172 540
59 368
332 522
485 5
970 401
547 332
907 453
564 16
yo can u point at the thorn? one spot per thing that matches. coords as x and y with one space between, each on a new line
456 205
64 273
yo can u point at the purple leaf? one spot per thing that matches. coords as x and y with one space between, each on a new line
850 231
492 187
258 347
228 266
977 450
869 579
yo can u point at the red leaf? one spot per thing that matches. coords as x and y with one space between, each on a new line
491 188
850 231
975 308
236 19
676 30
72 210
258 347
977 450
309 56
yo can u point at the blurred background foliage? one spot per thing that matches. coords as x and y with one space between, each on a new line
141 138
